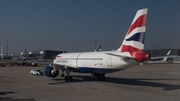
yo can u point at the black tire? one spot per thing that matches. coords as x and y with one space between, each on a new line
66 78
70 78
62 75
101 77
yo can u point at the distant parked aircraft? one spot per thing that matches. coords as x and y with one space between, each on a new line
164 58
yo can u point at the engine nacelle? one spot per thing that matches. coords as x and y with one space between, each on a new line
51 71
140 56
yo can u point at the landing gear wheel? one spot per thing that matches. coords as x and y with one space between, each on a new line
68 78
62 75
101 77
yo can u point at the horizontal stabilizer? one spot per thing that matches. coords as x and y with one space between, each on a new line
117 55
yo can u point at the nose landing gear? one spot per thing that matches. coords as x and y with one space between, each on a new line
68 77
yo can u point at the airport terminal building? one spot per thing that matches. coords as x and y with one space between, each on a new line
44 55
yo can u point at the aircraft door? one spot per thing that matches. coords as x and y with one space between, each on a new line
109 60
77 62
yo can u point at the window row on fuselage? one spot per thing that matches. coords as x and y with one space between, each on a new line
80 59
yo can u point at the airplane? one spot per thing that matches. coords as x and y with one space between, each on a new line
164 58
130 53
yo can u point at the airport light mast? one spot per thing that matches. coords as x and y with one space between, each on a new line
53 53
152 49
72 48
7 47
95 44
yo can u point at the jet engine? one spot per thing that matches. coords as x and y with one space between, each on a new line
51 71
140 56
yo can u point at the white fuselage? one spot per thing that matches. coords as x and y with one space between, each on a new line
99 62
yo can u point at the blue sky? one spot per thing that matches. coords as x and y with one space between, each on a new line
44 24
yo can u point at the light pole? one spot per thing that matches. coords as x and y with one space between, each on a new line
152 49
72 48
53 53
95 44
7 47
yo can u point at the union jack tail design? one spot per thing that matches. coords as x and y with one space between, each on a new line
134 39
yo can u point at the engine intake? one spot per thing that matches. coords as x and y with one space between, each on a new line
141 56
51 71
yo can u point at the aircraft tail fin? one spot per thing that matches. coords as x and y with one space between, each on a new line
134 39
133 42
99 49
165 58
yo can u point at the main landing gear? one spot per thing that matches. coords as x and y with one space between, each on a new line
68 77
62 74
99 76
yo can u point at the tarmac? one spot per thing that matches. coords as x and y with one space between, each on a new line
156 82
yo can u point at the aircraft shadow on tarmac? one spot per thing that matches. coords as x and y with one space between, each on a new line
134 81
2 76
13 98
7 92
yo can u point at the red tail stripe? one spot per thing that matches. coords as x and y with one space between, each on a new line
128 48
141 21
